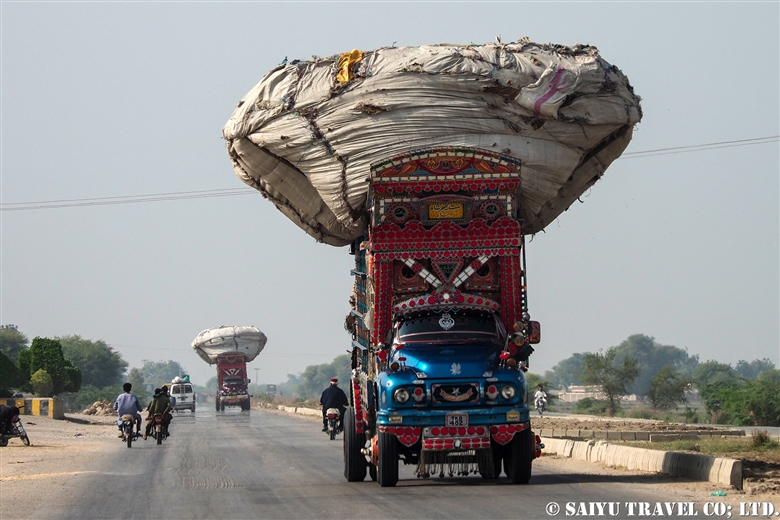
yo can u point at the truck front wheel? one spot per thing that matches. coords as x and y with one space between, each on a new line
354 461
387 467
517 463
216 401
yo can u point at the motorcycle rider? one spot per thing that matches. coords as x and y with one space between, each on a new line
333 397
540 396
160 404
127 403
7 413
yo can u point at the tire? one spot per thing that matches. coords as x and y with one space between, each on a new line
25 440
332 434
354 461
485 471
517 462
159 436
129 439
217 404
387 462
221 407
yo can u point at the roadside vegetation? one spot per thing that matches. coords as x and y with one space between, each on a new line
78 370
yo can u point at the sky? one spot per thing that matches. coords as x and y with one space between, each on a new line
104 100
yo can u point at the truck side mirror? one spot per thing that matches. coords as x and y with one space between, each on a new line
534 332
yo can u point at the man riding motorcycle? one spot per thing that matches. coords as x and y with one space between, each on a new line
127 403
7 413
540 398
160 404
333 397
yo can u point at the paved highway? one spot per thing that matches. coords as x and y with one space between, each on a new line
236 465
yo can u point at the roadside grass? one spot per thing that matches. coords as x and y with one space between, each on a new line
758 446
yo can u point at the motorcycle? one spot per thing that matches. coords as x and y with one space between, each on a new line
159 429
128 429
541 405
334 422
16 430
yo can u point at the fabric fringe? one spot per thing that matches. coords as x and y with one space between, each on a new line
460 463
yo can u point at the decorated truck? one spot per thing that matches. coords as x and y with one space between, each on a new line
440 324
230 349
433 164
232 382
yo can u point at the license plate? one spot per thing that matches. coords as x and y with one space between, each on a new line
456 419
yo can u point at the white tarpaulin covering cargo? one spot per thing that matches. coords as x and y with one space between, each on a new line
306 135
245 339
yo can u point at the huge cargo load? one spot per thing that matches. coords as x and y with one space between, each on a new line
210 343
307 134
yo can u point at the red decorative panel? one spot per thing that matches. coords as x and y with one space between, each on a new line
407 435
503 433
486 277
406 280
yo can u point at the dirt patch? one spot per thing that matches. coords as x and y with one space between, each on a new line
610 423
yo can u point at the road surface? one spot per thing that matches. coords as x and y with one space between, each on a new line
235 465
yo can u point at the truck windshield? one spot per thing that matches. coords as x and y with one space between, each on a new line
449 326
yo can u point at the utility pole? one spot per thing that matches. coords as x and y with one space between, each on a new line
256 370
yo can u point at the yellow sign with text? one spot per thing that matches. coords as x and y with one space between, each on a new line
445 210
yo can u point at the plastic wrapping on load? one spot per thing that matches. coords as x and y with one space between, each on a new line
210 343
307 134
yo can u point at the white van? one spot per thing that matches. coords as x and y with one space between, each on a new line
185 397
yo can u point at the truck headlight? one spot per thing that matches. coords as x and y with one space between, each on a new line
401 395
508 392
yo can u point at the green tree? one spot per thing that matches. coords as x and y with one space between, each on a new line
566 372
12 341
667 389
45 353
100 364
710 378
136 378
770 375
754 368
10 376
651 357
42 383
612 377
316 378
159 373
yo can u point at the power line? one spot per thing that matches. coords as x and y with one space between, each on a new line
230 192
700 147
127 199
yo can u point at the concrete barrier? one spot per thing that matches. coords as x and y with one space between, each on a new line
726 472
52 407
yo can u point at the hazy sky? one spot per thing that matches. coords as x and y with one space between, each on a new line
116 99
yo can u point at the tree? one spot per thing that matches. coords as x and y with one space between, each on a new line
42 383
566 372
316 378
667 389
10 376
45 353
711 377
100 364
652 357
159 373
136 378
754 368
603 370
12 341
